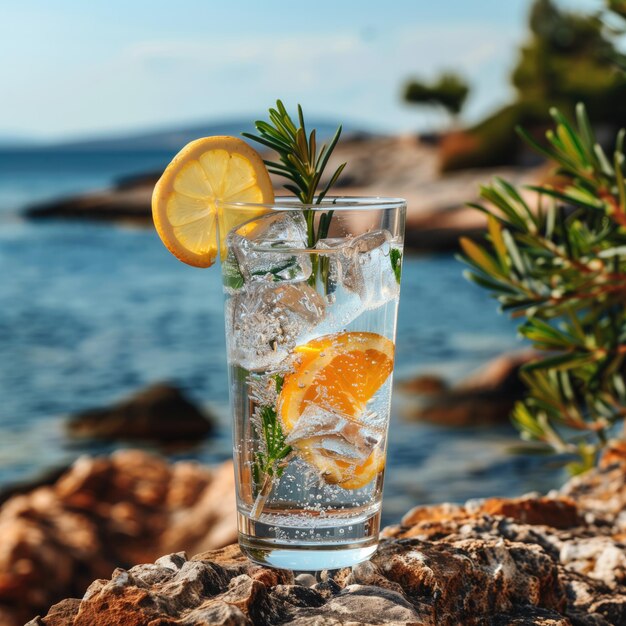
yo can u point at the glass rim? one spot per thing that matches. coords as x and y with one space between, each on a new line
334 203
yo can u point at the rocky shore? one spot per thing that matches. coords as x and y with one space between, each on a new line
401 166
103 513
558 559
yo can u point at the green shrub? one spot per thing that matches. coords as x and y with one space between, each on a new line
559 266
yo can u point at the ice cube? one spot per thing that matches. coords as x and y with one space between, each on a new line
333 435
366 268
265 321
279 227
269 248
362 266
344 304
330 262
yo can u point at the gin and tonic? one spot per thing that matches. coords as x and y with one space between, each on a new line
310 333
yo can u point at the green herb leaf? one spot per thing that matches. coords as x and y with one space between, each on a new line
274 439
395 256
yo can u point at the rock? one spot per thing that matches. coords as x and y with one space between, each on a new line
528 616
468 576
601 494
159 412
103 513
555 512
425 384
550 560
298 595
486 397
306 580
120 205
60 613
201 524
364 605
46 477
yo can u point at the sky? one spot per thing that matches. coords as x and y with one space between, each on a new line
73 69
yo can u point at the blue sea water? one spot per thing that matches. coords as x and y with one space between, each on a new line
91 312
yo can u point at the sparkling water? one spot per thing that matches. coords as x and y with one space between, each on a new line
280 296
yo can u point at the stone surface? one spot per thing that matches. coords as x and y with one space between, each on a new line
485 397
556 560
103 513
159 412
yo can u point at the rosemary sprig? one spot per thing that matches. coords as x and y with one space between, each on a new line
300 162
267 461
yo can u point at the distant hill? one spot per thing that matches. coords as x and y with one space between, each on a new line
16 141
166 140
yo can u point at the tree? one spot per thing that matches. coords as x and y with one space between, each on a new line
449 91
560 266
569 57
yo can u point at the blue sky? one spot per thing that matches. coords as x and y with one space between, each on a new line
73 68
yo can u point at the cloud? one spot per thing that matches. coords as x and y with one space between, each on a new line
335 73
265 50
353 76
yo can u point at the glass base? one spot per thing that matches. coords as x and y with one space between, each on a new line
292 541
307 558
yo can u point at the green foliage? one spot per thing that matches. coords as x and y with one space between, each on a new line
449 91
568 57
560 265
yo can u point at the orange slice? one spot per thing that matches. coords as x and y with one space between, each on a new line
188 199
339 373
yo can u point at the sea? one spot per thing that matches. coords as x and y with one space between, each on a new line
91 312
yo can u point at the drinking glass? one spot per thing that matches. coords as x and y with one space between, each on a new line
311 299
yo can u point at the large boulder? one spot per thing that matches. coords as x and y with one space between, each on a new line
103 513
555 560
159 412
485 397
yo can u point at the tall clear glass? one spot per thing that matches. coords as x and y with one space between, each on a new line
311 300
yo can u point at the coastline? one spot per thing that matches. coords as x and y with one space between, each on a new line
399 166
553 559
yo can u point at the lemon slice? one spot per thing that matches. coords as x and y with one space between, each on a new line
186 200
339 373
